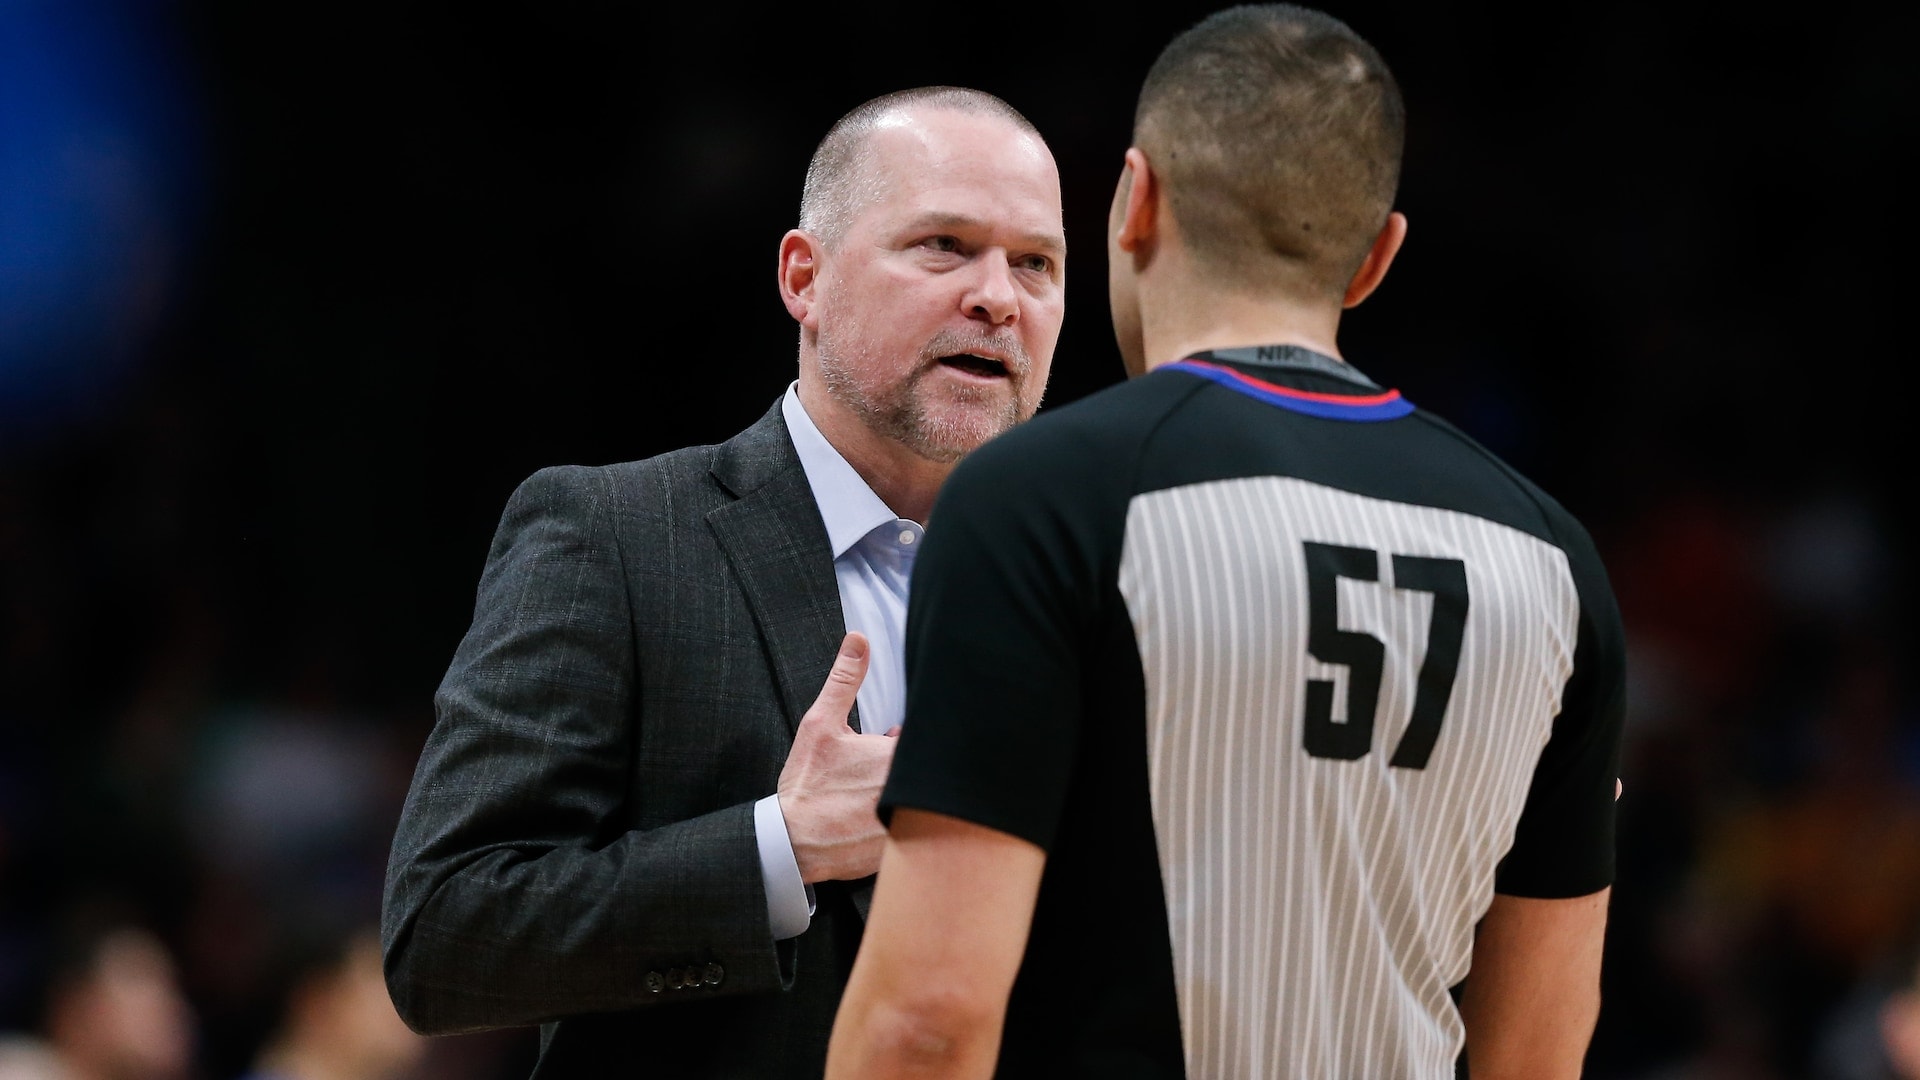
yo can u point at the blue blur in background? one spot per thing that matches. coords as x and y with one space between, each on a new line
98 143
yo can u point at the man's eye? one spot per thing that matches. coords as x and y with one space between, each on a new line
942 243
1039 264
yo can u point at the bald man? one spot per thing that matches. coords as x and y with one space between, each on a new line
645 816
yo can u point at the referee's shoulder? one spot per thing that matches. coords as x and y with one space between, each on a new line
1551 519
1093 432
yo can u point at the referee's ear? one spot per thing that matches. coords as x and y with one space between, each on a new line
1136 207
1380 256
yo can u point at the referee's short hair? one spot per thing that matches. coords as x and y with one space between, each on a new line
1279 132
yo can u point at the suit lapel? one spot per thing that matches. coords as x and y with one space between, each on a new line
774 538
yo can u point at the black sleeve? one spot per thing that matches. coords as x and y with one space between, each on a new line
1563 845
1004 594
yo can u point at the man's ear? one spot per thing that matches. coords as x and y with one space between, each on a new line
1379 257
799 269
1136 201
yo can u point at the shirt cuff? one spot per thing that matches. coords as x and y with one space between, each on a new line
789 900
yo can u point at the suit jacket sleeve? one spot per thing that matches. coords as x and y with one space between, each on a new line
517 892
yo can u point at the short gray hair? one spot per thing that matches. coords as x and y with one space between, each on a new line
839 185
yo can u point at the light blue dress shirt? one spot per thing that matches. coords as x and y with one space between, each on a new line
873 550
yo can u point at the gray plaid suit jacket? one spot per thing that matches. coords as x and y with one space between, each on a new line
577 847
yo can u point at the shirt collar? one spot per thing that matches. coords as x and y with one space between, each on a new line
1290 358
848 506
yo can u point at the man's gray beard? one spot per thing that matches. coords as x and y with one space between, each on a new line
899 414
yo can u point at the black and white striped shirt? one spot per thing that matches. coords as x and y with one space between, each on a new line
1288 677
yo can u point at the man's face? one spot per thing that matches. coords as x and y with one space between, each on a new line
938 309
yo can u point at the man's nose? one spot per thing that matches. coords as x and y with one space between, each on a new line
993 295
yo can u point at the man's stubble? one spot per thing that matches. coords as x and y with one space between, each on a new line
942 431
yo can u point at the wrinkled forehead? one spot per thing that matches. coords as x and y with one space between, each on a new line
934 161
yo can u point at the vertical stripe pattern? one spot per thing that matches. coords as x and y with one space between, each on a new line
1319 908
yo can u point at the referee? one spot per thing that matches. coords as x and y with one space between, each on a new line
1260 723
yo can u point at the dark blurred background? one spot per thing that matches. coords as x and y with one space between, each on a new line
291 297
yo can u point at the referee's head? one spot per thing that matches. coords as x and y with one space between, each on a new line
1278 132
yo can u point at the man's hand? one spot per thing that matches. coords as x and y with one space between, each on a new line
832 779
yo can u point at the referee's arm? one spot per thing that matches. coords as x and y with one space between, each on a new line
928 994
1533 994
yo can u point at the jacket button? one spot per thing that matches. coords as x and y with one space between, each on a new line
676 978
714 974
656 982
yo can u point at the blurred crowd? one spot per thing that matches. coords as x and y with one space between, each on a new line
200 767
192 837
1768 905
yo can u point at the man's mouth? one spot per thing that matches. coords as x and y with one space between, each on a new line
984 367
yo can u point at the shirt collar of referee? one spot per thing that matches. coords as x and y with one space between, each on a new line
1288 358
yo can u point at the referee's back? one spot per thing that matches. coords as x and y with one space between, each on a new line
1309 704
1326 675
